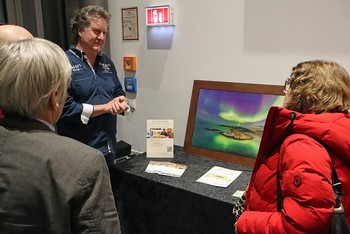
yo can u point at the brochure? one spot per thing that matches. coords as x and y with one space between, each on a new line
166 168
219 176
160 138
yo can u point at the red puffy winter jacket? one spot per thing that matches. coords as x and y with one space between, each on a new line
305 169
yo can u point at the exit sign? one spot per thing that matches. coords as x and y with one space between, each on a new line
160 15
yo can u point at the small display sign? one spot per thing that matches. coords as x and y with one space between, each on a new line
160 15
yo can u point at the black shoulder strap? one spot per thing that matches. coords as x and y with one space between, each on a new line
336 184
279 196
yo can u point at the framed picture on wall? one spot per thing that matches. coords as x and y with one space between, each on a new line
226 120
130 25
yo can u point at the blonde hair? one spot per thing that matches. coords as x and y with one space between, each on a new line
30 71
318 87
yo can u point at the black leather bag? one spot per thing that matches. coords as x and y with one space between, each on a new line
339 223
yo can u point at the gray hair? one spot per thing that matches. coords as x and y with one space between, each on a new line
30 71
84 17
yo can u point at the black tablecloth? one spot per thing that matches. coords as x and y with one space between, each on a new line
153 203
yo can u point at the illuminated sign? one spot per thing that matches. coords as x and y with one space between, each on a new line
160 15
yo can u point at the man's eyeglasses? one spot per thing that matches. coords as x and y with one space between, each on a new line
287 84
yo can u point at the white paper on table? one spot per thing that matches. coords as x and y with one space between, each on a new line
219 176
166 168
238 193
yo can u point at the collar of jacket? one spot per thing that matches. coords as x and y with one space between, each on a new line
23 123
270 137
80 54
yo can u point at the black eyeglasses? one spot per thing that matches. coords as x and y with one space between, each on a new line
287 84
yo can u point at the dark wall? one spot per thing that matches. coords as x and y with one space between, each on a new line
71 8
3 17
51 22
54 21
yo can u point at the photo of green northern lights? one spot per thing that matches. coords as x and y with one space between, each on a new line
231 122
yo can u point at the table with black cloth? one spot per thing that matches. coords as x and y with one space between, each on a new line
153 203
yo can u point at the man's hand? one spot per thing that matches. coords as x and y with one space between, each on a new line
118 105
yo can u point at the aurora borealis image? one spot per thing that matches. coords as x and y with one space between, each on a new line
231 122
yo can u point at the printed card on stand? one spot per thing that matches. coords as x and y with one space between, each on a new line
160 138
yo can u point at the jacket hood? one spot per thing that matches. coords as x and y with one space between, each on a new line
332 129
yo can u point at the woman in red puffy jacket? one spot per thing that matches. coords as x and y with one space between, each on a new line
315 115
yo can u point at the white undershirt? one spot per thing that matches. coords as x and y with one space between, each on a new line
88 109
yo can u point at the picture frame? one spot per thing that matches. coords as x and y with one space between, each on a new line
226 119
130 25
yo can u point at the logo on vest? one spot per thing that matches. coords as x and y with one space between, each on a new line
106 68
77 67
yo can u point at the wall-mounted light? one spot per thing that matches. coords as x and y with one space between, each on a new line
160 15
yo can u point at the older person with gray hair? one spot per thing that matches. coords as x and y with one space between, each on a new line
48 183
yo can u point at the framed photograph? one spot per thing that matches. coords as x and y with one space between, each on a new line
130 24
226 120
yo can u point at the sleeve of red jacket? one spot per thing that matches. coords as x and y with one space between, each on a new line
308 197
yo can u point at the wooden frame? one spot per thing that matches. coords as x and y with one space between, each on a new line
218 125
130 24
